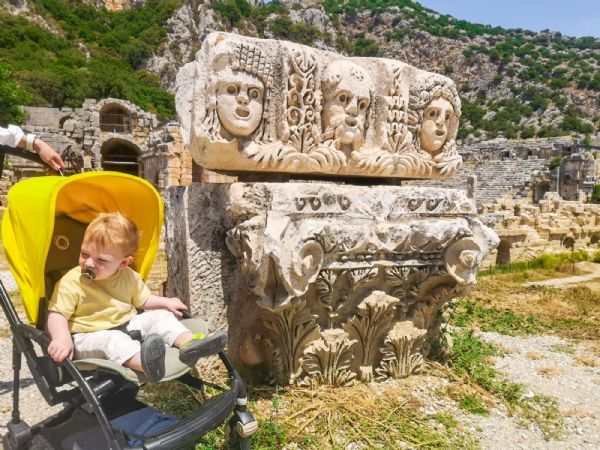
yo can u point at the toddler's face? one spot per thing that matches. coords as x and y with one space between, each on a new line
103 261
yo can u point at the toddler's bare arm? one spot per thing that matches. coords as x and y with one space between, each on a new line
172 304
61 346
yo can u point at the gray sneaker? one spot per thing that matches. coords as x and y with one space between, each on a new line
153 357
199 347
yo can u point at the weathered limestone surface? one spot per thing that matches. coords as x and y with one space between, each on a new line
321 282
273 106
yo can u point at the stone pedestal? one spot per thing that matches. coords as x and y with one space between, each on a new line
325 281
320 282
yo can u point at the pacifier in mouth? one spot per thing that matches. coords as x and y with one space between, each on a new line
88 273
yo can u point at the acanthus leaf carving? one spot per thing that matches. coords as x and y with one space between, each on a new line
293 328
324 286
374 316
361 275
328 360
401 356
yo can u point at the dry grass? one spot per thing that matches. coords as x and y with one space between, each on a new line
381 415
577 413
572 312
550 372
370 416
506 349
586 360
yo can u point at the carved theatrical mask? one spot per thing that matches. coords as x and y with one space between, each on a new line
347 96
436 119
239 102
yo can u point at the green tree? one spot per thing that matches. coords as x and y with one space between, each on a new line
596 194
12 97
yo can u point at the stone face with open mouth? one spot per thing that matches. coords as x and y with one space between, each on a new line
436 119
347 96
239 102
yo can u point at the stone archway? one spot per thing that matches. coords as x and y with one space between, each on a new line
121 156
115 118
503 256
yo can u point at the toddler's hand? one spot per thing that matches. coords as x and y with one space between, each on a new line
175 306
59 349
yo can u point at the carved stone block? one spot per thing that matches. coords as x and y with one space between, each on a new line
252 105
323 283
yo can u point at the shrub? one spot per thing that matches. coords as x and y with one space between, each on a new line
11 97
596 199
56 73
555 162
527 133
283 27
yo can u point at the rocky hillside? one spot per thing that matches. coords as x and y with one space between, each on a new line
514 83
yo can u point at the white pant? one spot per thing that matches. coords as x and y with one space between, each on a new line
118 346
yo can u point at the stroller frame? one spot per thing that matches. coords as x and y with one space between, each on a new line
94 389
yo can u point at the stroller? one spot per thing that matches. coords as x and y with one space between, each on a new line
42 231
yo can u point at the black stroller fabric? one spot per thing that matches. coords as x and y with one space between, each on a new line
136 426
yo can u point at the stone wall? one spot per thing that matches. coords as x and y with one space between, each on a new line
525 170
90 137
169 163
82 131
496 179
519 149
552 225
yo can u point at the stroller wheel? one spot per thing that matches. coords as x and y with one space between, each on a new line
232 437
18 436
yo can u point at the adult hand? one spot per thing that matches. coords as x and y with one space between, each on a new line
48 155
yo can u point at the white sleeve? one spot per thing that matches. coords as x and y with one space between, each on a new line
11 135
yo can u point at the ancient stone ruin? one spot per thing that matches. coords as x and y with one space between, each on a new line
274 106
338 274
110 134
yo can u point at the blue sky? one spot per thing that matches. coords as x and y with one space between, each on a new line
570 17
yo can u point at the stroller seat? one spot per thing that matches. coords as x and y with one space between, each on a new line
63 255
42 232
173 367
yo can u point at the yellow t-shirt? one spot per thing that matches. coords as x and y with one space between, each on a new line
99 304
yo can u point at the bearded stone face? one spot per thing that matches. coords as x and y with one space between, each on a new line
434 129
346 103
239 102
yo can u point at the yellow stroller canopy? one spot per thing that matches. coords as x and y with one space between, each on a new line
28 223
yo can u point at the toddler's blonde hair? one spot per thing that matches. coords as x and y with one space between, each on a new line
113 229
